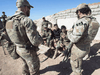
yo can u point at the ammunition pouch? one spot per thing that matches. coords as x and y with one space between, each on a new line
11 48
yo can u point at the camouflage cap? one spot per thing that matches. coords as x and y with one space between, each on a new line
22 3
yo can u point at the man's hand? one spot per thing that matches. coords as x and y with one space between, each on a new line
54 40
63 36
61 45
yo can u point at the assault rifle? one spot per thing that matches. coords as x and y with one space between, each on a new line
2 40
67 52
2 43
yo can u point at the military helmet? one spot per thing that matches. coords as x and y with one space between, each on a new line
83 6
80 6
22 3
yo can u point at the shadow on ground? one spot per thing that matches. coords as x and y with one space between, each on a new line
94 49
88 66
64 68
93 63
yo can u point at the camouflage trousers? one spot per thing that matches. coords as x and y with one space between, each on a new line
4 23
77 55
31 63
58 47
65 45
48 42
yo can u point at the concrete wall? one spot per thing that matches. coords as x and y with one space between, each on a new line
68 17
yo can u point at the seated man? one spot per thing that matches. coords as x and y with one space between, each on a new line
47 36
63 42
56 33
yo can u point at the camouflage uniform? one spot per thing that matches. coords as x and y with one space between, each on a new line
63 40
45 22
1 26
4 20
84 31
25 41
47 36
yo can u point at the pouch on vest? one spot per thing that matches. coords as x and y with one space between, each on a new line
93 29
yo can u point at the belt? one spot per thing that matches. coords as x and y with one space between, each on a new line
21 46
26 46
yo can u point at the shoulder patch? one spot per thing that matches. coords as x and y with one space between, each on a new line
95 25
9 24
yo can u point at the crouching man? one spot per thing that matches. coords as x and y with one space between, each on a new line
63 42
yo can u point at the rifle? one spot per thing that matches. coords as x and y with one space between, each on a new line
2 40
2 43
67 52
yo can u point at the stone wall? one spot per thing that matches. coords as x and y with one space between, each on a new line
68 17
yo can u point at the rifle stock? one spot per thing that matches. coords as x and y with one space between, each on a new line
3 47
68 52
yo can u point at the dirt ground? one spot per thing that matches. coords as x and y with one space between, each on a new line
91 66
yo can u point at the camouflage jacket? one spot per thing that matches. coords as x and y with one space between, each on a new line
45 23
27 32
63 37
3 18
1 26
85 30
47 34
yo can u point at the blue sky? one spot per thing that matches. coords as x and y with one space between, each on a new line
42 7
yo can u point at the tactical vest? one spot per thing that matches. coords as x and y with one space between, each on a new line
16 31
90 32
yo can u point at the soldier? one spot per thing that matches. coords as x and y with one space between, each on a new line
3 19
84 31
56 33
63 42
45 22
47 36
1 26
23 32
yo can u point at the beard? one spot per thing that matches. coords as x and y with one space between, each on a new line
28 13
